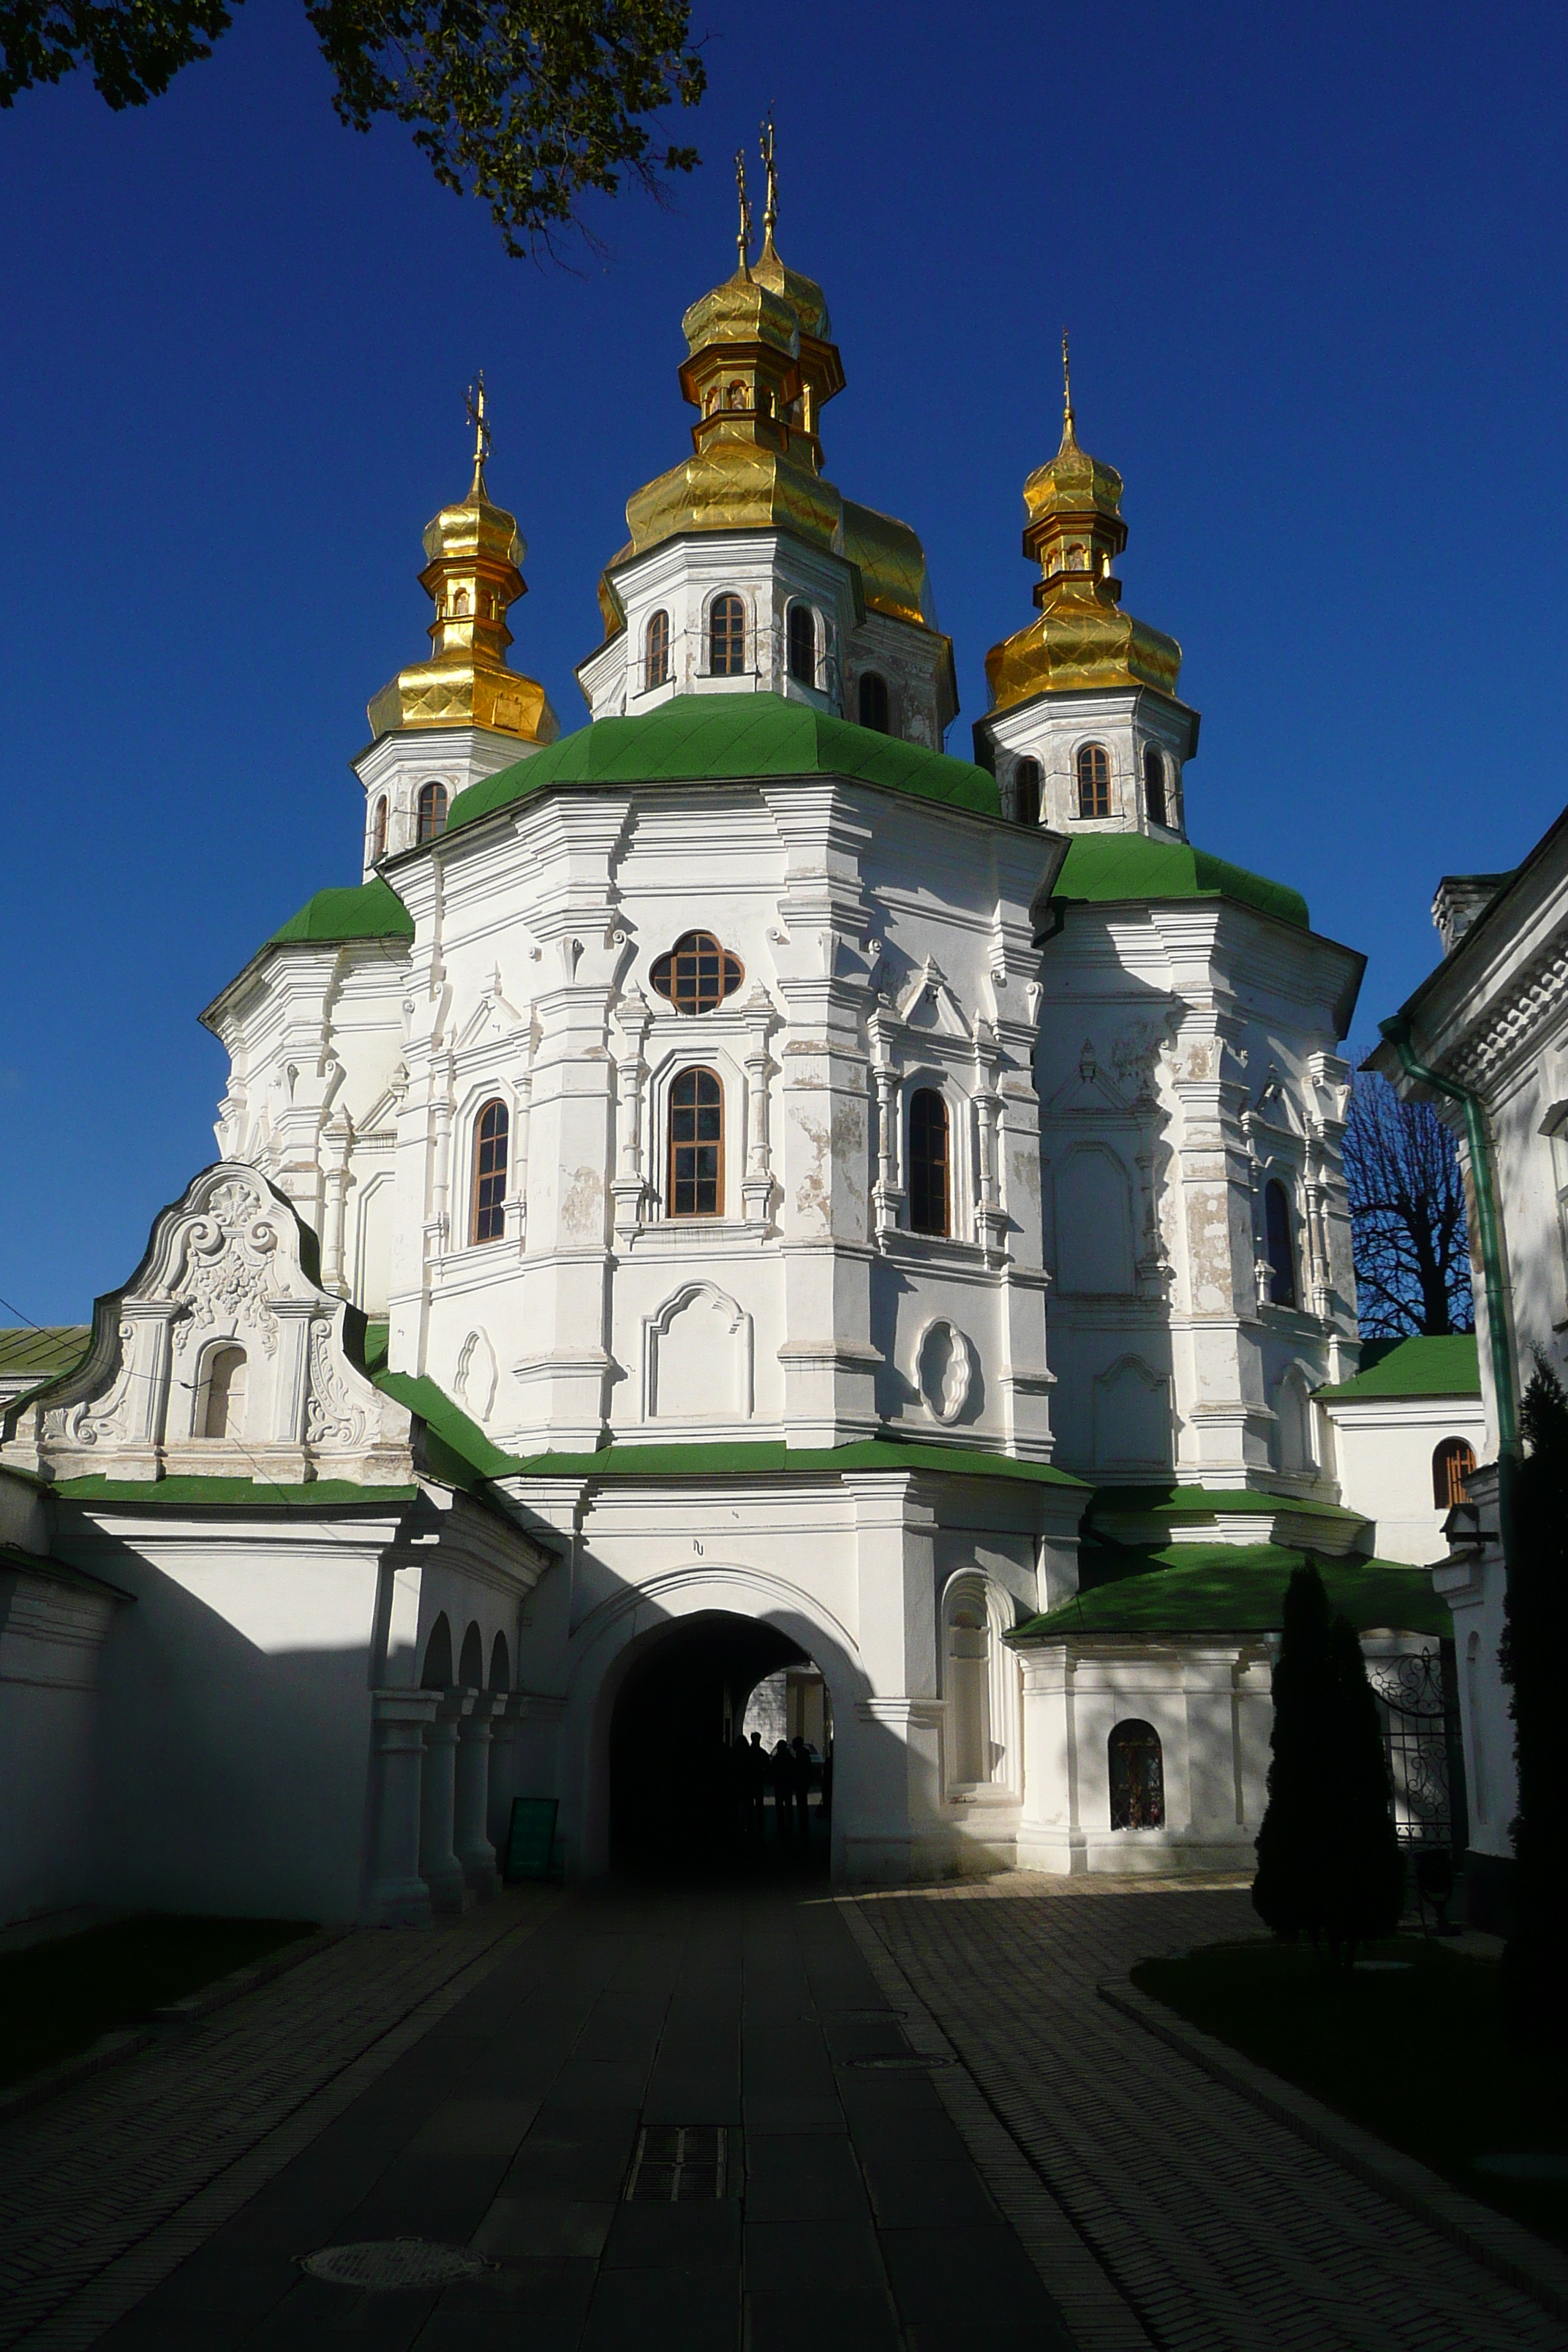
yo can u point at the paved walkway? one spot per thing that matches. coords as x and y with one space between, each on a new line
1219 2226
1073 2185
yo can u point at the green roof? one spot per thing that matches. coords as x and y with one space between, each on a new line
457 1450
373 910
763 1458
1167 1500
1446 1366
731 737
1234 1588
228 1493
40 1350
1109 866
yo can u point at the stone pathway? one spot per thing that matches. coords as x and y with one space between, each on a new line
106 2187
1220 2227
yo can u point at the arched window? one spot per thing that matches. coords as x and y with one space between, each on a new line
696 1145
471 1664
1451 1468
658 650
966 1672
803 644
697 973
873 694
1154 787
222 1399
432 812
1137 1777
1280 1246
437 1674
492 1137
500 1664
1027 792
378 832
727 637
1093 780
929 1209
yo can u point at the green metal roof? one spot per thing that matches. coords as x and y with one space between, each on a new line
1195 1589
371 910
248 1494
1110 866
1168 1500
40 1350
1446 1366
456 1449
765 1459
731 737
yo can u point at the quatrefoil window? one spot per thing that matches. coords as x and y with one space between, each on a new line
697 973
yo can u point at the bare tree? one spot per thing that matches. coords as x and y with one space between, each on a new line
1407 1215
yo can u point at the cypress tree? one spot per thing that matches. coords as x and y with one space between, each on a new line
1294 1840
1366 1873
1534 1642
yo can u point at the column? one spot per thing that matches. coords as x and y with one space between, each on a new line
757 1183
470 1842
438 1865
628 1186
397 1895
1050 1835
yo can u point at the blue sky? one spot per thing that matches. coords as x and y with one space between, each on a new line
1312 261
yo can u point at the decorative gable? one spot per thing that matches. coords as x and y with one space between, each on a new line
222 1357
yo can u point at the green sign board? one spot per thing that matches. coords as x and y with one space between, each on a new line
530 1838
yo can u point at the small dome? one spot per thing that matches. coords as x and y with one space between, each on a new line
804 295
742 311
1071 482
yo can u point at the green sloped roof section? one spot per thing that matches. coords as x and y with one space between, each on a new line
1106 868
1447 1366
1171 1501
42 1349
233 1494
731 737
764 1458
457 1450
1194 1589
371 910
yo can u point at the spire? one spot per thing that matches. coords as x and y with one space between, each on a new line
473 550
771 209
1069 438
743 241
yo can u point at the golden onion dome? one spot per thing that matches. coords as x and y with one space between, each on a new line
893 574
1072 482
472 575
804 295
742 310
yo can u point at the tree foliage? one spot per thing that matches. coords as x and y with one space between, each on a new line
1328 1865
1534 1642
1407 1215
527 105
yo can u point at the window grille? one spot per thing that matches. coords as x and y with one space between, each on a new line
697 973
1093 780
727 637
929 1209
696 1145
492 1137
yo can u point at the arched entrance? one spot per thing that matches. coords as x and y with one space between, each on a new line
683 1798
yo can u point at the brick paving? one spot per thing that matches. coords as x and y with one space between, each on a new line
1220 2227
104 2190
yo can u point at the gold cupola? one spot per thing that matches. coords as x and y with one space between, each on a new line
472 576
1083 638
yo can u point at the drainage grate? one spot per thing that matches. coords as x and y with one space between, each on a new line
681 2165
392 2262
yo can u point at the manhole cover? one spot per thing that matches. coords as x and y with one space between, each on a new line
393 2263
682 2165
1530 2164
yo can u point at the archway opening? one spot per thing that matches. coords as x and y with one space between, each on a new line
721 1755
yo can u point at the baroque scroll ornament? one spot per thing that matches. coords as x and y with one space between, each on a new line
230 1274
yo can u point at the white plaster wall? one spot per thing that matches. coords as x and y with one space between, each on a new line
1382 1452
51 1636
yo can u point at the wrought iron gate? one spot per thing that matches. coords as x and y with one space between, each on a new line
1417 1698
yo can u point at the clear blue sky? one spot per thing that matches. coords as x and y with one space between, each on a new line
1312 259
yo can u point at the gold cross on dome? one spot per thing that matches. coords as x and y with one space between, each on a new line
744 240
479 417
769 165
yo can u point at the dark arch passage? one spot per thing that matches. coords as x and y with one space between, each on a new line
682 1800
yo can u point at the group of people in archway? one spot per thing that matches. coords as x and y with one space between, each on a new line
791 1771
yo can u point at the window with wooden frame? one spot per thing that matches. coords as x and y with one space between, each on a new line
1280 1244
658 649
431 812
1027 792
1452 1466
803 644
378 832
1154 802
696 1145
727 637
697 973
1093 779
873 701
1137 1774
492 1146
930 1211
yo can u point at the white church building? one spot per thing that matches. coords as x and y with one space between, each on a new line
731 1188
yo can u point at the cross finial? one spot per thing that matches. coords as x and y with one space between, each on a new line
1066 390
743 240
771 210
479 417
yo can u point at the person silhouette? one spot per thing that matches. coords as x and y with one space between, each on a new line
756 1786
801 1776
784 1790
